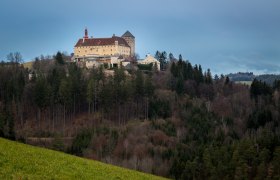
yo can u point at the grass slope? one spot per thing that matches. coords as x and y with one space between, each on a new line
21 161
28 65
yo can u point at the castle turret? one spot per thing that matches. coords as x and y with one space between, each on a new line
86 34
130 39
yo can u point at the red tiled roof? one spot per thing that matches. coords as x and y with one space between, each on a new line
101 41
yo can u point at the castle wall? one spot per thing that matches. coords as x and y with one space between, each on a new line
109 50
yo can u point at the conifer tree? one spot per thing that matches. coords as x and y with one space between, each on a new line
59 58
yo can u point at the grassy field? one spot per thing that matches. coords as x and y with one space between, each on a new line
248 83
28 64
21 161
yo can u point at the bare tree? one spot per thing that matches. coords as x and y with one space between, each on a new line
15 57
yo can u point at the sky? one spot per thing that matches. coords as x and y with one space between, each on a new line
223 35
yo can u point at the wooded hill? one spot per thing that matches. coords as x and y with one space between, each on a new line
177 123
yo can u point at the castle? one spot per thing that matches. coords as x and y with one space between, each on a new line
110 52
114 46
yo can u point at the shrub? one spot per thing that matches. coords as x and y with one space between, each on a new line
81 142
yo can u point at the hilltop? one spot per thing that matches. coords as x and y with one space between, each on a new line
21 161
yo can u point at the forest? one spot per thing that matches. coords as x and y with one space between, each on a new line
178 122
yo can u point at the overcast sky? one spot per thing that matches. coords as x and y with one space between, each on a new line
223 35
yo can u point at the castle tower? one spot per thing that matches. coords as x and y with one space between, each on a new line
130 39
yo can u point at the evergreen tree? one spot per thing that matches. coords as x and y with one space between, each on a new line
174 69
139 84
41 92
90 93
171 57
59 58
180 57
157 55
260 88
180 85
227 80
208 78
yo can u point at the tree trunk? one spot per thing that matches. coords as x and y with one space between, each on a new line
64 120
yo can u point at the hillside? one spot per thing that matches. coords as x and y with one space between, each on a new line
28 64
20 161
179 123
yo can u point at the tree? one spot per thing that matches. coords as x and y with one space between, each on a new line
275 162
41 92
119 90
259 88
139 84
227 80
180 85
157 55
161 57
77 84
276 84
7 125
41 95
198 74
208 77
174 69
15 57
18 57
148 91
171 57
59 58
216 77
180 57
90 93
10 57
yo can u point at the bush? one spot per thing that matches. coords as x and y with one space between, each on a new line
81 142
145 67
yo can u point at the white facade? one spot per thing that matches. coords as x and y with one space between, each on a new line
150 59
92 63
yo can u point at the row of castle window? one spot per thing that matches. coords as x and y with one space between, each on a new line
99 46
104 50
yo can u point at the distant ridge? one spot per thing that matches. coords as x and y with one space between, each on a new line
268 78
241 76
249 76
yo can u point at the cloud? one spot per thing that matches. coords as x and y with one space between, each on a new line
251 62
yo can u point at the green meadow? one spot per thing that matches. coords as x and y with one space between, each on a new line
21 161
